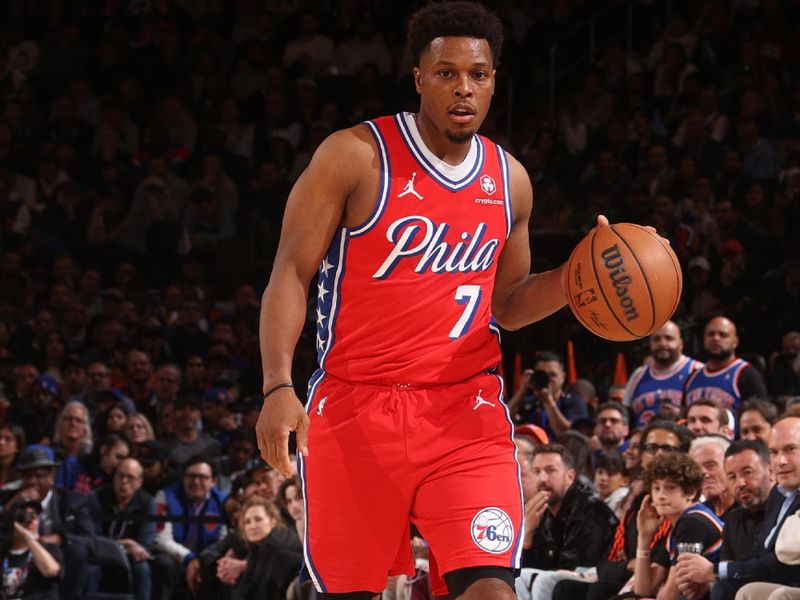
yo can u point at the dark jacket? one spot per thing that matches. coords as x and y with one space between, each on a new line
762 564
118 524
741 526
271 567
579 536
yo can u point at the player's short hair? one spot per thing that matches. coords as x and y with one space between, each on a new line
562 451
678 468
757 446
766 409
454 18
722 412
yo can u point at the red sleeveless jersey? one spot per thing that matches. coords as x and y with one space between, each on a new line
406 296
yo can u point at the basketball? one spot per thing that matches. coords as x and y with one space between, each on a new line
623 282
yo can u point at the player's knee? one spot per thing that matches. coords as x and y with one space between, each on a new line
478 583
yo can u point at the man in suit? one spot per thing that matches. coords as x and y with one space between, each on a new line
64 520
694 572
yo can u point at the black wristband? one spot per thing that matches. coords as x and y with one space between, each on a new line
272 390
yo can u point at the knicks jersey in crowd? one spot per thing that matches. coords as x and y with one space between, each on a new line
722 385
406 296
648 388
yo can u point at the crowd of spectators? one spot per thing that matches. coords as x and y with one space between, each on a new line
146 152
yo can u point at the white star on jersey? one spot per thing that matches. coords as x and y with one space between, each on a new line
325 267
322 291
320 317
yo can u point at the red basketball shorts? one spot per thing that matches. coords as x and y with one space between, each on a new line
441 457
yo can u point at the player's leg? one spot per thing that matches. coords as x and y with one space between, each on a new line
469 504
357 491
350 596
481 583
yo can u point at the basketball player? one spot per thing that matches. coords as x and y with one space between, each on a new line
724 377
660 383
417 229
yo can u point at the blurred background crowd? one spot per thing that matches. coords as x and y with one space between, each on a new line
147 148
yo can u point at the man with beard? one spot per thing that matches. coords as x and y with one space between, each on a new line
611 427
571 528
760 562
708 451
724 377
659 384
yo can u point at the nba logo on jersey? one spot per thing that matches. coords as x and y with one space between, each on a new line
492 530
487 184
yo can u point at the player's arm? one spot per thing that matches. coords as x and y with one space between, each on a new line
520 297
315 209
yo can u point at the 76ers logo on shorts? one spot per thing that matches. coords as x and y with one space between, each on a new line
492 530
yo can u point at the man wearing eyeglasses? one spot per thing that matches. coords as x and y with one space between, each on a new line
117 512
611 427
179 541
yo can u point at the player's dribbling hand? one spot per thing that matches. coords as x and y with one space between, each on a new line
281 414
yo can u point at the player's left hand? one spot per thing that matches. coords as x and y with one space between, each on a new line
281 414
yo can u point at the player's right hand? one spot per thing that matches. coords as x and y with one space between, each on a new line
281 414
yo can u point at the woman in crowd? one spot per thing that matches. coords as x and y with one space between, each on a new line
291 499
97 470
12 441
72 441
116 419
274 556
138 429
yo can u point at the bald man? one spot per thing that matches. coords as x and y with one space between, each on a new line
724 377
660 383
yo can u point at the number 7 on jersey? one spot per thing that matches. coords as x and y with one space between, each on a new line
471 296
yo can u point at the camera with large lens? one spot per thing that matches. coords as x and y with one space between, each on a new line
24 515
540 380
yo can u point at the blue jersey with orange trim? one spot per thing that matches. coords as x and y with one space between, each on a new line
711 551
648 388
722 385
406 296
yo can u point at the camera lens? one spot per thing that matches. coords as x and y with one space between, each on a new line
540 380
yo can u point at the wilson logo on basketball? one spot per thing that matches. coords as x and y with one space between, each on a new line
620 279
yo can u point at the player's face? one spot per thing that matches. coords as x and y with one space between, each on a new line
669 499
711 458
784 452
720 339
666 345
748 479
702 420
455 81
552 476
753 426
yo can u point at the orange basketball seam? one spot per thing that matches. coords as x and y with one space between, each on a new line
678 272
644 276
605 298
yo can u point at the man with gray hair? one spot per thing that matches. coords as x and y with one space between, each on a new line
708 451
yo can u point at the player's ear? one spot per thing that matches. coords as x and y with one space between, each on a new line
417 79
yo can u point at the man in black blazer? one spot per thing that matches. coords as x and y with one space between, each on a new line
64 520
694 571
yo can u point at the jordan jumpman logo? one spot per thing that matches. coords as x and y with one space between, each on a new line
409 189
480 401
